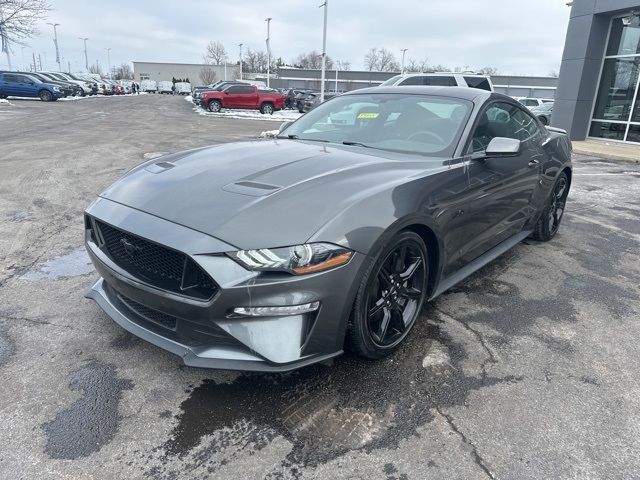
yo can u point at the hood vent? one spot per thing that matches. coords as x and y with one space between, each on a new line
253 189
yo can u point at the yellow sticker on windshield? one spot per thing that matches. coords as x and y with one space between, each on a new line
368 115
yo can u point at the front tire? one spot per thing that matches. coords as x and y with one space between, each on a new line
267 109
215 106
544 121
45 96
549 222
390 297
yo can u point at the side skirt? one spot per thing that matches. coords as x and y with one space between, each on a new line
478 263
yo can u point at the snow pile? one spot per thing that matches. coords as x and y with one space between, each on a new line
280 116
189 98
4 101
269 134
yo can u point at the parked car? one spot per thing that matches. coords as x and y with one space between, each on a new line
197 92
183 88
543 112
329 235
149 86
22 85
243 97
165 87
533 102
68 89
126 84
91 82
312 100
482 82
86 86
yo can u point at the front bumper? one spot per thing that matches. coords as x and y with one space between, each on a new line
204 333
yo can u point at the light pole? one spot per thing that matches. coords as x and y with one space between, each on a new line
324 49
86 59
55 42
240 45
109 61
404 50
268 20
225 67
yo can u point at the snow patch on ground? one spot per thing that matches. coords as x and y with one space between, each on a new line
4 101
438 356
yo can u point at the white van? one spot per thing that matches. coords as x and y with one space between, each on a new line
165 87
473 80
149 86
183 88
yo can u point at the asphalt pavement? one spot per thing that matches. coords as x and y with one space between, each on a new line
530 369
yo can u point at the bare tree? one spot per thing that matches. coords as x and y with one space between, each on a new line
387 61
553 73
381 60
215 53
207 75
371 59
124 72
488 71
312 60
96 68
437 68
19 19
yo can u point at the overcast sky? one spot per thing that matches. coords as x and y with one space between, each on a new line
516 36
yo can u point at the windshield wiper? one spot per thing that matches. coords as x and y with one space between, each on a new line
357 144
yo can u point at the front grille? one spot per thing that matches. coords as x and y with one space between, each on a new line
152 263
159 318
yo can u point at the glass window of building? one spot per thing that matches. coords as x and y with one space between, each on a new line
616 114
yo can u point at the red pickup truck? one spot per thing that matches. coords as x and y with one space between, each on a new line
243 96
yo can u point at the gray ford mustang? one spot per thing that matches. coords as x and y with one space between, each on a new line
271 255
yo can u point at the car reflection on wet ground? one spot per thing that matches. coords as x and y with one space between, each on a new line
528 369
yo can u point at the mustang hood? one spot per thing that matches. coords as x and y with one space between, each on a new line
262 194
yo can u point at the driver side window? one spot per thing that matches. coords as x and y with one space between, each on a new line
502 120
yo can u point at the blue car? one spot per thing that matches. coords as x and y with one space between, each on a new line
23 85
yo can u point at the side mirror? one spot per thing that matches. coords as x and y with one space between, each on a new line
284 125
503 147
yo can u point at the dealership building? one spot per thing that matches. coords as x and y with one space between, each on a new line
597 95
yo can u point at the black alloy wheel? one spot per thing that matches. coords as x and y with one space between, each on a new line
390 297
549 221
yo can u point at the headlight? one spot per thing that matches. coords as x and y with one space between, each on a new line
56 89
298 260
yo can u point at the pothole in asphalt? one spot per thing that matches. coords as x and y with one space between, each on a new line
91 421
7 347
73 264
325 412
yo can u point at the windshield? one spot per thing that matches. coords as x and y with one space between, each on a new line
391 82
422 124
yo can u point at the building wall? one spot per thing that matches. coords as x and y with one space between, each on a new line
582 61
167 71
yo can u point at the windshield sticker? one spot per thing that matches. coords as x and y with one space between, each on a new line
368 115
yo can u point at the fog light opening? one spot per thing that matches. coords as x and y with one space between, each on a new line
276 311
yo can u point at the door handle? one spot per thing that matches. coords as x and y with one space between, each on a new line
534 162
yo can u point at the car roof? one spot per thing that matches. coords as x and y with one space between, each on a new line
465 93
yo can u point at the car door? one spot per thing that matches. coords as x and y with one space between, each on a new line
235 96
11 85
501 188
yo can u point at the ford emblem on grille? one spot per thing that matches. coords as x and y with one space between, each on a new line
130 247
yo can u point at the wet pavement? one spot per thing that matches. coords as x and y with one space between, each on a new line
528 369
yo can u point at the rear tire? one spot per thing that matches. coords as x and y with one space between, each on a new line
215 106
549 221
267 108
45 95
544 121
390 297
